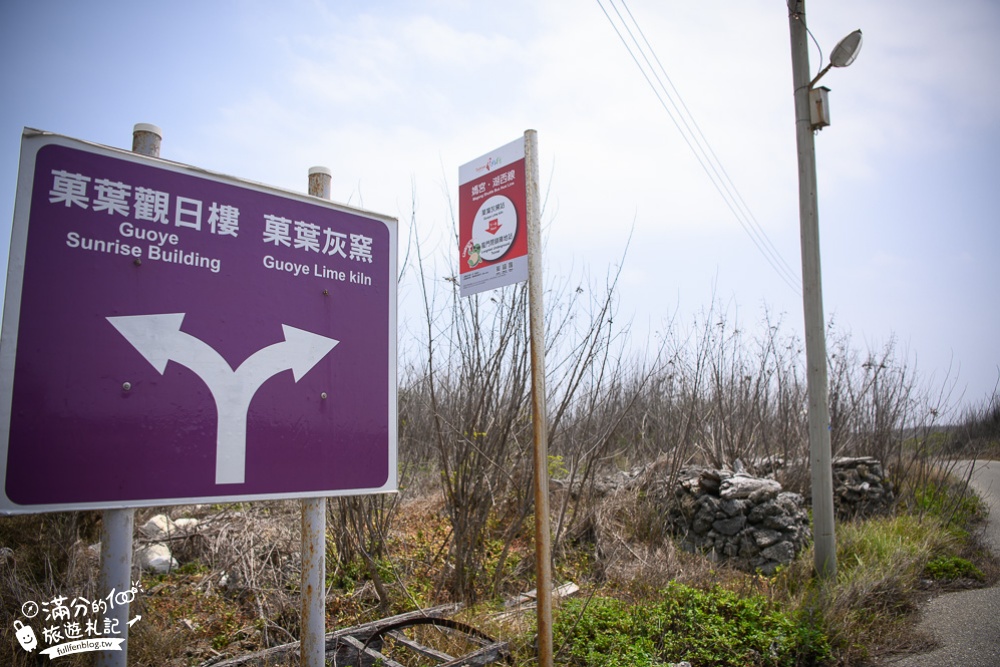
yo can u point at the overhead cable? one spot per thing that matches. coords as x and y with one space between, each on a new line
682 118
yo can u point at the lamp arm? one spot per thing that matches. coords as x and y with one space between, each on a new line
820 75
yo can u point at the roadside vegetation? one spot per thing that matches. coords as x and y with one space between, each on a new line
461 527
978 433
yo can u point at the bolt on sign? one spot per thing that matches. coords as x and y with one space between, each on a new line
492 220
176 336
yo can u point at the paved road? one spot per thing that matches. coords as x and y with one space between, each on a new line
967 623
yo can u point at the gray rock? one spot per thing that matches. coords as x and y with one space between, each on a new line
764 510
155 557
765 537
740 486
732 507
781 522
860 487
768 568
730 527
158 528
782 552
789 502
701 526
748 546
763 494
186 525
710 504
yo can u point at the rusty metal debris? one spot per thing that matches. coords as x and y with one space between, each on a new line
363 645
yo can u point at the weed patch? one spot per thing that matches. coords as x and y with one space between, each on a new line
713 627
950 568
883 566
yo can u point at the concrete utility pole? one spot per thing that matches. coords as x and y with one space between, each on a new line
812 299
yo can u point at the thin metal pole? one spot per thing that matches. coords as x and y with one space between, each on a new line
146 139
320 179
812 299
117 524
312 652
536 323
116 573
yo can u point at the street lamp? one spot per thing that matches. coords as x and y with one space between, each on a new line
811 114
843 54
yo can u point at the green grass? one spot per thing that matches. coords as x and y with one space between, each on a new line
888 546
791 618
951 503
883 564
713 627
715 616
950 568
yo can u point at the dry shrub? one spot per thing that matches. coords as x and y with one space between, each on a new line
631 540
235 590
978 432
474 389
43 556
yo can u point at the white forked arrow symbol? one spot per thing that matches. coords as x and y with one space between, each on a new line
159 339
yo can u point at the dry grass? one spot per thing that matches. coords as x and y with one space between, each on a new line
236 591
231 593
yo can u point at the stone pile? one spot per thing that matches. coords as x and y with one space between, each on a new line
735 516
860 487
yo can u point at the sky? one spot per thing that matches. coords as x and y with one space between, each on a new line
394 96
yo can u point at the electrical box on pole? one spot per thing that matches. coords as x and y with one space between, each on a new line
819 107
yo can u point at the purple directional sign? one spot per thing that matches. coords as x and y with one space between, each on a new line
175 336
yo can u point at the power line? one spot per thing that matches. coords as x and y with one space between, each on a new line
695 139
726 180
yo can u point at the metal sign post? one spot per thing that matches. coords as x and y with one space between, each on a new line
543 538
312 648
117 524
500 244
